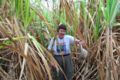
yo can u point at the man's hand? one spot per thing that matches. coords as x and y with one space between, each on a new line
82 42
52 63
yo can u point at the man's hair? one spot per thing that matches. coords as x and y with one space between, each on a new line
61 26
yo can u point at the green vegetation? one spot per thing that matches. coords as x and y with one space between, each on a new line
27 26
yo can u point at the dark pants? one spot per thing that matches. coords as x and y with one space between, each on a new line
66 64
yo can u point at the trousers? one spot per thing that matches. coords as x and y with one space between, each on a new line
66 65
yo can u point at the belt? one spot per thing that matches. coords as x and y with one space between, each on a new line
63 55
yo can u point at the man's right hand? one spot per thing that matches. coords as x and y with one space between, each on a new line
53 64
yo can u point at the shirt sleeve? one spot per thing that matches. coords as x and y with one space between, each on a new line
71 39
50 44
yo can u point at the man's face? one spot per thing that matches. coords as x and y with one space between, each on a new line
61 33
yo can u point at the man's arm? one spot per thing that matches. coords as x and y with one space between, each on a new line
76 41
50 45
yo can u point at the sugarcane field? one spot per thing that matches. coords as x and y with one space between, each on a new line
59 39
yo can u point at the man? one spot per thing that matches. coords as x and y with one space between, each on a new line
61 47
